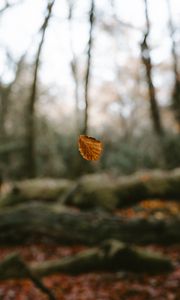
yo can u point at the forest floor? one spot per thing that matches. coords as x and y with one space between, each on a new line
101 285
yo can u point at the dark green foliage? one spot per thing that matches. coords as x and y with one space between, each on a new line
58 156
171 144
142 152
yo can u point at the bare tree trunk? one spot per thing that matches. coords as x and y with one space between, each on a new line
5 93
3 110
31 165
87 76
176 89
146 59
6 90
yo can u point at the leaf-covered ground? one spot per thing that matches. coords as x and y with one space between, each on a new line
99 286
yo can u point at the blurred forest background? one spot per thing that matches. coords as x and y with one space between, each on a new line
108 69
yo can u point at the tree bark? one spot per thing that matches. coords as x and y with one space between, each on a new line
31 223
176 89
31 164
146 59
111 256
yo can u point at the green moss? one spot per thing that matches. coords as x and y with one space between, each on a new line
35 189
96 191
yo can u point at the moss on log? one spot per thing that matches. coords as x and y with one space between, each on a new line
45 189
111 256
98 190
110 193
59 224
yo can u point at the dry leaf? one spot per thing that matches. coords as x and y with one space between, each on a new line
89 147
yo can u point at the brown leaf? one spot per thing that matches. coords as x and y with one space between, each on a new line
89 147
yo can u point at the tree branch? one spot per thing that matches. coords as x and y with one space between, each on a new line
111 256
9 5
14 267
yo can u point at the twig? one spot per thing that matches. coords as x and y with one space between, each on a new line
73 63
87 76
9 5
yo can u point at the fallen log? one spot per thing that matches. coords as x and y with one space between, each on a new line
110 256
109 193
13 267
25 223
45 190
98 190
